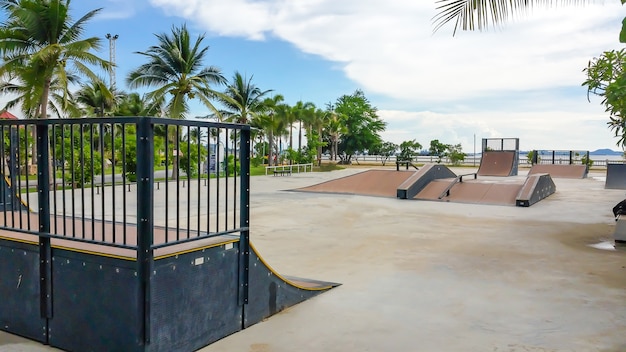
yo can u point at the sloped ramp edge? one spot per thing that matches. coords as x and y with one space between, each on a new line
270 292
420 179
615 176
536 188
9 199
498 163
560 171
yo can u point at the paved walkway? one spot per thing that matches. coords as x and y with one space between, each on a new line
431 276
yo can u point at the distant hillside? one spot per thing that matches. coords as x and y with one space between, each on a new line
605 152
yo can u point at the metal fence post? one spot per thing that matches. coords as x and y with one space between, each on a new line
244 217
45 251
145 216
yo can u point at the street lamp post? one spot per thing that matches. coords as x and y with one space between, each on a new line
112 39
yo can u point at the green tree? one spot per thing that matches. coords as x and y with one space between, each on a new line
437 149
174 69
480 14
43 54
242 99
302 113
385 150
455 153
95 98
42 47
270 121
361 123
606 77
408 150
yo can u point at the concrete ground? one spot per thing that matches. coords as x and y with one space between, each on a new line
430 276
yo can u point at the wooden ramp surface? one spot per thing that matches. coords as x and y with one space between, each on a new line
496 164
383 183
560 171
472 192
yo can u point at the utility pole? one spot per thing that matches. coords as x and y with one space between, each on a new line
112 39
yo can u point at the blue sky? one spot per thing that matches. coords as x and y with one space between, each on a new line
522 80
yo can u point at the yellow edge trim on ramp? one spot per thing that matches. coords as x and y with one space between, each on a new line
285 280
20 198
195 249
101 254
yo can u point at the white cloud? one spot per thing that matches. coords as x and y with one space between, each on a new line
389 49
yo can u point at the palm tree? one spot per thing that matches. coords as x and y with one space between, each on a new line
302 113
174 67
41 48
135 105
335 128
242 100
479 14
270 121
95 98
316 122
40 36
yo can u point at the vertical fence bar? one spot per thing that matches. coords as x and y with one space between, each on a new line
200 170
93 182
113 232
4 166
227 160
54 173
82 179
26 173
188 156
145 216
241 147
125 173
177 173
244 218
18 162
102 193
167 184
45 251
217 183
73 179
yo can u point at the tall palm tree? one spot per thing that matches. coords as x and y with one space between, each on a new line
95 98
269 120
41 47
133 104
480 14
335 128
40 35
316 123
242 99
302 113
175 70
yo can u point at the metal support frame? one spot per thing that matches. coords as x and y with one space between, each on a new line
145 217
45 249
244 218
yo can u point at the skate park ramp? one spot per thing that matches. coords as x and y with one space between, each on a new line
381 183
520 192
615 176
500 163
281 291
436 182
428 173
560 171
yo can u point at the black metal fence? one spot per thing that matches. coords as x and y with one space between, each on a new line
115 181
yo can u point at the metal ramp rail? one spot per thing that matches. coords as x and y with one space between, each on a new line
459 179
